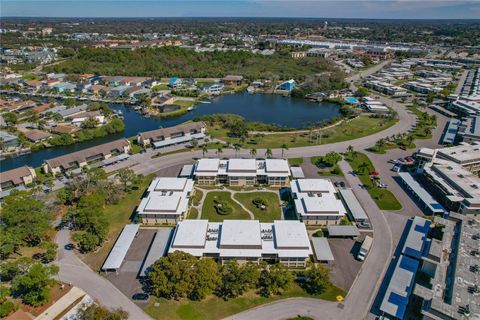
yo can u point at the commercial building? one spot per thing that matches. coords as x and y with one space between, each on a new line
436 275
82 158
166 201
242 172
16 177
173 135
316 202
284 241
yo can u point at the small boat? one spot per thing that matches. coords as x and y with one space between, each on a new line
190 108
205 101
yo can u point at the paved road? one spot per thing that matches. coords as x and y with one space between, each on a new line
74 271
360 296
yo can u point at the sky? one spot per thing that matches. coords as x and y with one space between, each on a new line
377 9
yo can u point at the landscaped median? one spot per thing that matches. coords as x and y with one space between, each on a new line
362 166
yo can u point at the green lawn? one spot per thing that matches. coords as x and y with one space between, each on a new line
273 210
295 161
197 196
118 215
362 165
135 148
209 212
216 308
192 213
359 127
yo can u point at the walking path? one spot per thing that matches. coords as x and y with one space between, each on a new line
75 271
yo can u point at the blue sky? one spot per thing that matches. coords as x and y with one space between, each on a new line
385 9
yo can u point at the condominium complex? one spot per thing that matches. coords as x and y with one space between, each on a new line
242 172
316 201
282 241
436 275
465 155
165 137
166 202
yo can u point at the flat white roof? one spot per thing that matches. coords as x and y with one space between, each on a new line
240 233
353 205
158 203
158 249
291 234
242 165
345 231
276 165
208 165
297 172
190 233
175 184
119 250
314 185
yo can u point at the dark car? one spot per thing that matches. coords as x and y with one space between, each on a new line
140 296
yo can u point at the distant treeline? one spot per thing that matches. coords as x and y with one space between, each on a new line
174 61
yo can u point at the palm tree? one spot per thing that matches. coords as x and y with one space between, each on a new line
363 166
410 139
350 149
284 147
204 150
253 152
237 148
219 151
268 153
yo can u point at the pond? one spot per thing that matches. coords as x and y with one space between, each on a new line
272 109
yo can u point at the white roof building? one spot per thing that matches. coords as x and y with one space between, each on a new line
316 201
167 200
244 240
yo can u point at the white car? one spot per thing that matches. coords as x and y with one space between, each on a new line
383 185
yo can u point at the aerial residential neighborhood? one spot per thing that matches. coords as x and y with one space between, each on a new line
240 160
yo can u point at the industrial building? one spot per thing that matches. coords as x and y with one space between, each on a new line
166 201
283 241
316 202
242 172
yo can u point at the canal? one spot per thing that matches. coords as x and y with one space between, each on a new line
272 109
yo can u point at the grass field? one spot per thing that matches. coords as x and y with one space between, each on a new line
357 128
209 212
295 161
192 213
272 212
216 308
118 215
197 196
362 165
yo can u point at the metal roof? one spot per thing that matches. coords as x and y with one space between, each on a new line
322 250
168 142
119 250
186 171
297 172
416 240
353 205
399 288
343 231
157 249
422 194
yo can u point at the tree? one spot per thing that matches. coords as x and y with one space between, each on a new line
9 243
331 159
95 312
350 150
236 279
284 147
219 151
50 251
363 167
317 280
34 286
6 306
194 142
253 152
361 92
90 123
205 279
26 218
171 276
268 153
204 150
127 177
275 280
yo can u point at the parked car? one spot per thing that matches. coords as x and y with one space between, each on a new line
383 185
140 296
339 184
396 168
364 225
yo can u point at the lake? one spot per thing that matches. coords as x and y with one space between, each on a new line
272 109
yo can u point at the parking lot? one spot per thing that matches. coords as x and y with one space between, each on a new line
345 267
126 278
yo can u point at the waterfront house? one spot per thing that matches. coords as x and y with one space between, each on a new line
64 87
214 89
79 118
9 140
82 158
17 177
232 80
118 91
181 133
36 135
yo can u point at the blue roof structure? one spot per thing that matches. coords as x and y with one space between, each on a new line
422 195
451 131
400 287
416 241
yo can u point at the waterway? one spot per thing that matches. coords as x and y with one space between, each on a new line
272 109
